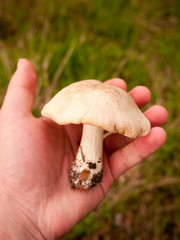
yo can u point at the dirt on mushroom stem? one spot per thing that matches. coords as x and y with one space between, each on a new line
76 179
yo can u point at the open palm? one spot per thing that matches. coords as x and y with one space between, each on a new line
36 155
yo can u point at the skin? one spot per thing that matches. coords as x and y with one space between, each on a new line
36 154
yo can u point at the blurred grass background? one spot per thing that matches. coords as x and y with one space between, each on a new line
138 41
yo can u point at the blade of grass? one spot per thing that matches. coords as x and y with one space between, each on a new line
60 69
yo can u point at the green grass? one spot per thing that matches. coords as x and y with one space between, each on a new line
138 41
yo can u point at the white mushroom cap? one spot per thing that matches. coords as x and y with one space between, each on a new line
99 104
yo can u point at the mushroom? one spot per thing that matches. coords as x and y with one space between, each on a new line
98 106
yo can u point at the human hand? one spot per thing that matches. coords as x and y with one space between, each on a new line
36 155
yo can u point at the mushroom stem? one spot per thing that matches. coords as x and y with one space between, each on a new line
86 171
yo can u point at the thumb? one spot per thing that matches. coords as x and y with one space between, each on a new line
21 89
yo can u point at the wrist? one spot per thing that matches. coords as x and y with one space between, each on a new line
15 223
